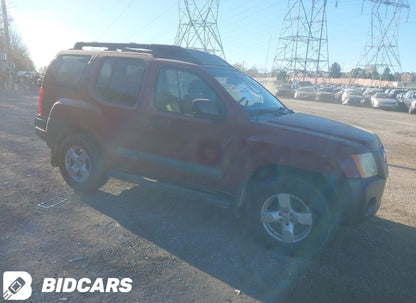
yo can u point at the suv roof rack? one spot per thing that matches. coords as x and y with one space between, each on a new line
160 51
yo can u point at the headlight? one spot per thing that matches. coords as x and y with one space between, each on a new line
365 164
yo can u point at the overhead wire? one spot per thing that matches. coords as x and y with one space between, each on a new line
117 18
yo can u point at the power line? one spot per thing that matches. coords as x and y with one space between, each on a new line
151 22
117 18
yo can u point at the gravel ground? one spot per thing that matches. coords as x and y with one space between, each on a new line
176 249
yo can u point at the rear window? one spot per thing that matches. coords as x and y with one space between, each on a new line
69 69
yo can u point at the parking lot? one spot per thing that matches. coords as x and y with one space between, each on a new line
176 249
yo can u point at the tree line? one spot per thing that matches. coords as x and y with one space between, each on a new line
335 71
19 54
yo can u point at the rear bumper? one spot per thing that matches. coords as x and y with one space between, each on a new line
41 126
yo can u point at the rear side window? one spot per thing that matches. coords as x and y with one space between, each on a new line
119 80
69 69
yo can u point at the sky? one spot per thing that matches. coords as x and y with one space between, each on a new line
249 29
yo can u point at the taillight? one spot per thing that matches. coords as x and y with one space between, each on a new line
40 101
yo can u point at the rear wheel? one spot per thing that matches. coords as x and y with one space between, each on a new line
291 216
81 163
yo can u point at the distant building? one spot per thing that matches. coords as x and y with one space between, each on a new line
408 77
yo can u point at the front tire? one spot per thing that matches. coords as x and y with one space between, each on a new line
291 216
81 163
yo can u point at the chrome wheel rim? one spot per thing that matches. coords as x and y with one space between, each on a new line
78 163
286 218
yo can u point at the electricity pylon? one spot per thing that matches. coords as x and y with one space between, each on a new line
198 27
303 41
381 50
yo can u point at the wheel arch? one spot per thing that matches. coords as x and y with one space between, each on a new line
274 172
64 130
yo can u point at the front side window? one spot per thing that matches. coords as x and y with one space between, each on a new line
177 90
119 80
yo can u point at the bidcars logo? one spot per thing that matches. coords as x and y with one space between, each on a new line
17 285
84 285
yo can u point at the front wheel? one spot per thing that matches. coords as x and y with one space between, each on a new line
292 216
81 163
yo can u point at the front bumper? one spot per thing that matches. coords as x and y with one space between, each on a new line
353 101
384 105
357 198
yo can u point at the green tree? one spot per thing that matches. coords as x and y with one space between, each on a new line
357 73
387 75
20 53
335 70
281 75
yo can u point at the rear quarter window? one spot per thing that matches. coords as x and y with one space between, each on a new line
68 70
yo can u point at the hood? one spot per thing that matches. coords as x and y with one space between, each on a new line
322 135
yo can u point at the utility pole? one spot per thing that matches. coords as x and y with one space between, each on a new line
9 60
198 27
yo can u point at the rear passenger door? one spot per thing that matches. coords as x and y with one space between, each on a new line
117 88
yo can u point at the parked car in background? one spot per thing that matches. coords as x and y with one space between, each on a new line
412 107
304 83
306 93
383 101
408 100
325 93
338 94
352 97
369 92
399 97
396 91
285 90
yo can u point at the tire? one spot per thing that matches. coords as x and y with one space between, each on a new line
81 163
291 216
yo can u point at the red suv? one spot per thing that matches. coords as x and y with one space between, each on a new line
188 118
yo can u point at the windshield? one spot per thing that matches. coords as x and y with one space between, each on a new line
249 94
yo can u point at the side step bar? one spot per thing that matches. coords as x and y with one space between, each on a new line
201 196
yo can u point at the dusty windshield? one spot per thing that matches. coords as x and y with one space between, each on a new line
249 94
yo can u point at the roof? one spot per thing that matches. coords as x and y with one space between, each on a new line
173 52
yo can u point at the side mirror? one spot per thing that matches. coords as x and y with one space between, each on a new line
206 108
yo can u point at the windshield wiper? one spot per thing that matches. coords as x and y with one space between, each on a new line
277 111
